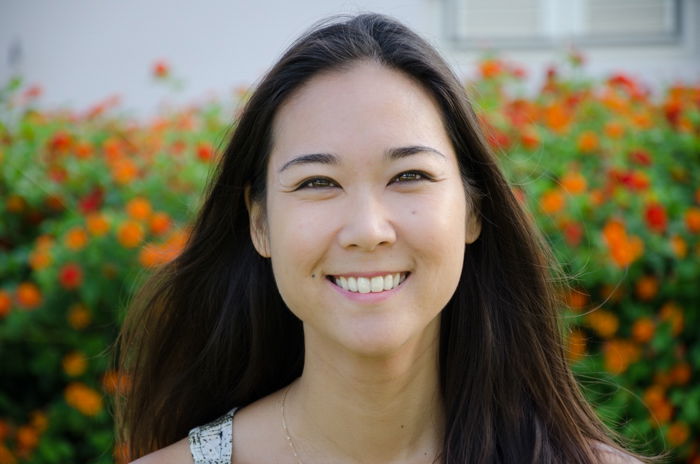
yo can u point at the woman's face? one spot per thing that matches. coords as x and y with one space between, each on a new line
366 218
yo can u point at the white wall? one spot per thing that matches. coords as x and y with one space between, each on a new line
81 51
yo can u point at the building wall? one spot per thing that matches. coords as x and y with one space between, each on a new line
81 51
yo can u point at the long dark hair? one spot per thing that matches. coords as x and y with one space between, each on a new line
210 331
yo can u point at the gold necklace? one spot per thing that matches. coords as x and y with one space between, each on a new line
286 429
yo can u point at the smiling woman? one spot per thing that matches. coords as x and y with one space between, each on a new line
360 285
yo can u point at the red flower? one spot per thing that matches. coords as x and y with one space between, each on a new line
70 276
656 217
205 152
640 157
34 91
60 141
573 233
92 201
161 69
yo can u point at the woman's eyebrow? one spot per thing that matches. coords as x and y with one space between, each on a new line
390 154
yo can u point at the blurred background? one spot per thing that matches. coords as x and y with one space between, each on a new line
81 51
113 114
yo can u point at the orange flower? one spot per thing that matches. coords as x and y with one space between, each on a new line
38 420
70 276
113 149
597 197
655 399
97 224
672 314
557 118
576 345
160 223
642 120
529 138
28 295
76 238
83 398
139 208
130 234
679 246
124 171
74 364
574 182
681 373
654 395
643 330
588 142
647 287
27 438
577 300
614 130
619 354
83 150
79 316
552 202
490 68
6 456
692 219
39 260
627 252
678 433
152 256
603 322
5 303
15 204
623 249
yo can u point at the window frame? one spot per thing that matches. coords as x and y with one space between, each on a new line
548 41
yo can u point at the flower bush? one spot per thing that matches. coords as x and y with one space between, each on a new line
91 201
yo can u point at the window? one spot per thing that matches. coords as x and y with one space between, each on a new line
543 23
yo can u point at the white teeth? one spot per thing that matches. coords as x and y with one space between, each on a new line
388 282
363 285
374 284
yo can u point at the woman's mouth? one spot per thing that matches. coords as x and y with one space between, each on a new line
376 284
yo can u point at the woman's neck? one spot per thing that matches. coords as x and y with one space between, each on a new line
356 409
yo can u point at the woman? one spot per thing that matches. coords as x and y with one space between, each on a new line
360 285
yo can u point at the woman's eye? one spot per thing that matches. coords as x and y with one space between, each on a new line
411 176
317 183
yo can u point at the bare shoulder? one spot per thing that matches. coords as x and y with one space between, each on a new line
610 455
177 453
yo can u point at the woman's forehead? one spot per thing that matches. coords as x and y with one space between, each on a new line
366 106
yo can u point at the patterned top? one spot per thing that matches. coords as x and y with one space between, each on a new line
211 443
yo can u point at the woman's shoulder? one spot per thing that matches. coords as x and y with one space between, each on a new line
177 453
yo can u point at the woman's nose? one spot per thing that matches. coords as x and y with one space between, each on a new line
366 225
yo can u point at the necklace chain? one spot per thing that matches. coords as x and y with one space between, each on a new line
286 429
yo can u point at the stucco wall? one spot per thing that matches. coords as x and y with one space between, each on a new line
80 51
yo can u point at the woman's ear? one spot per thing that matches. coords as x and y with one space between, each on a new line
473 225
258 229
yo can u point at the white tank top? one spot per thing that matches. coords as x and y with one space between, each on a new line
211 443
